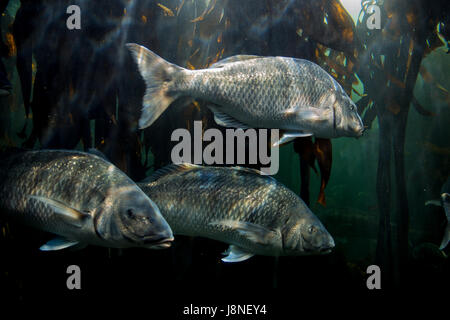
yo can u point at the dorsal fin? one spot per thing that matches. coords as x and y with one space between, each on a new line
252 171
169 169
176 168
98 153
236 58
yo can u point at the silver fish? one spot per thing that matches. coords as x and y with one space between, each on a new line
244 91
253 213
81 198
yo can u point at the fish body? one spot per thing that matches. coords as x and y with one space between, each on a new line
253 213
294 95
81 198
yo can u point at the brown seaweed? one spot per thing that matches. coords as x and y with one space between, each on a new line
402 43
323 153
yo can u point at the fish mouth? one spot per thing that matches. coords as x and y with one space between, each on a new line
319 251
358 131
326 247
159 244
325 250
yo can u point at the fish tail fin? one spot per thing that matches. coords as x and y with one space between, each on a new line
158 75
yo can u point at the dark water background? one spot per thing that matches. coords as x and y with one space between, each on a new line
87 93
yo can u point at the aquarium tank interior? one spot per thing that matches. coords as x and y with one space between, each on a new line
351 96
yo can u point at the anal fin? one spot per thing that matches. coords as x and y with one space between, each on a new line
236 254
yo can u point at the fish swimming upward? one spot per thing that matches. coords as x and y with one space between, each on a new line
252 212
244 91
81 198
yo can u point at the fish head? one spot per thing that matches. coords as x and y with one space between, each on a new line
304 234
132 219
347 121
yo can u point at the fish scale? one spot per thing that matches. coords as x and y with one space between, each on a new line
234 87
50 176
294 95
277 83
210 201
79 197
218 203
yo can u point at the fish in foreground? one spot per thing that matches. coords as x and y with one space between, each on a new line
253 213
81 198
445 203
294 95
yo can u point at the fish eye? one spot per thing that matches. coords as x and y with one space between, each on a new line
130 214
312 229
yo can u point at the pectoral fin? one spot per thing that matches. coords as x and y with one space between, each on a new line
289 136
225 120
315 115
236 254
69 215
308 114
58 244
251 231
434 202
